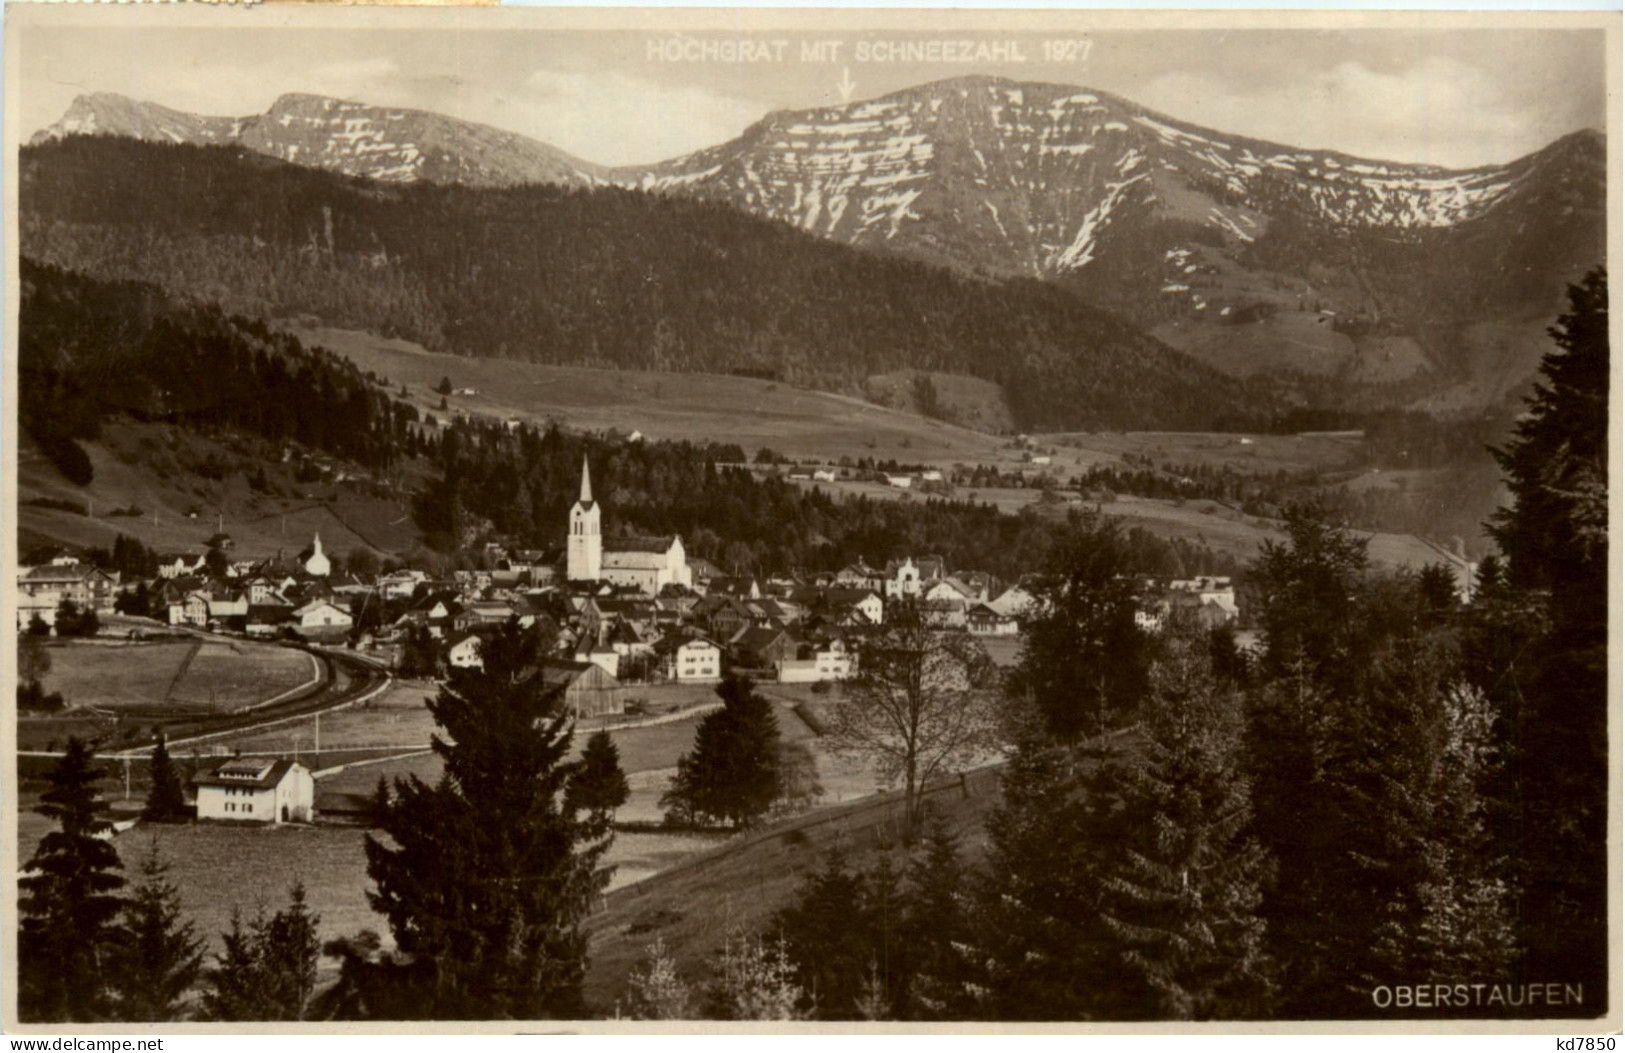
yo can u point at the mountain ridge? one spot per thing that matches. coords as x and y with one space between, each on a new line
1252 256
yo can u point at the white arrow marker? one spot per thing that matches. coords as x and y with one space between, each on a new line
846 85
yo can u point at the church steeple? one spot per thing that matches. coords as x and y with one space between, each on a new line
586 549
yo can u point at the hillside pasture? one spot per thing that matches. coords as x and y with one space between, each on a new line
144 467
697 407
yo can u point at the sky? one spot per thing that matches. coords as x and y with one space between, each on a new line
1457 97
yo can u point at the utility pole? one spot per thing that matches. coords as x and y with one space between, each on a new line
318 746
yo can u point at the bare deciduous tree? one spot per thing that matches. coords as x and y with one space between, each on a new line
920 704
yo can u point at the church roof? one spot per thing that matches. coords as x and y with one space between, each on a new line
639 544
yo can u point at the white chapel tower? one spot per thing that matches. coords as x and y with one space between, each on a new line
586 552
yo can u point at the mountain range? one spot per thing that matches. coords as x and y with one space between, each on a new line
1411 284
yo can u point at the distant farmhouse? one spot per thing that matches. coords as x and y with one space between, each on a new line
257 790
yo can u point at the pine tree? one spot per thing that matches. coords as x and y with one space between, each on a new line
161 955
1555 540
267 971
69 900
1182 892
490 872
1043 951
656 990
827 939
166 801
937 929
599 785
732 774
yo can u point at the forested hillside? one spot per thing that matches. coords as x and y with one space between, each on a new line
603 277
93 350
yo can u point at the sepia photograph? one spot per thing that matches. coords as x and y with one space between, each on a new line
863 519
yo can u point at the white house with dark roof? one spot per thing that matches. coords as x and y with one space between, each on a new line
257 790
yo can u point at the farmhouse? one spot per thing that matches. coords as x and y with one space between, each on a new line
322 614
257 790
691 660
589 691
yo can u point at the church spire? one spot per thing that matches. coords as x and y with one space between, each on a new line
586 482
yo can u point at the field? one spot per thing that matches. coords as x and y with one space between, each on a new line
695 406
1218 526
219 866
115 675
182 674
736 887
143 467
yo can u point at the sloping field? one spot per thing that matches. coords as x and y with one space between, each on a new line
737 887
695 406
137 468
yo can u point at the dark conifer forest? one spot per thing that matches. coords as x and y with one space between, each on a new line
604 277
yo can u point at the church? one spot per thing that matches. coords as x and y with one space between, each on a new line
647 564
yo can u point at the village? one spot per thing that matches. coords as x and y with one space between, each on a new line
627 623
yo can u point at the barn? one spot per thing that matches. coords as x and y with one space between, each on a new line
589 690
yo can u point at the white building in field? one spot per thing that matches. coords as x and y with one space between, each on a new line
257 790
647 564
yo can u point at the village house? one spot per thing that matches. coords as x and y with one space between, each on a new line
42 605
983 620
689 660
257 790
762 647
863 605
67 578
831 660
322 614
1016 602
464 652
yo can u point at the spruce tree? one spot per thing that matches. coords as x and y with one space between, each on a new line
1043 948
1182 891
1555 540
827 939
488 875
1084 659
599 785
69 900
160 955
166 801
937 929
732 774
267 971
